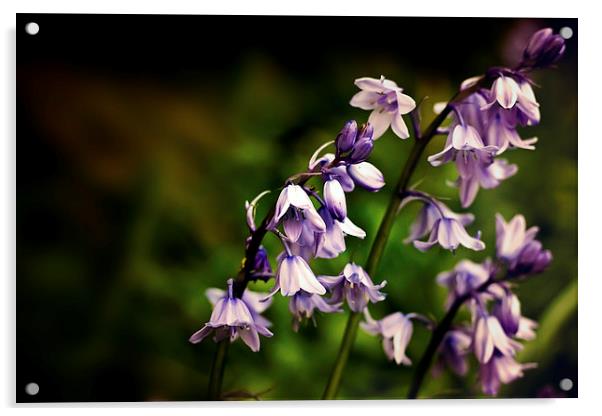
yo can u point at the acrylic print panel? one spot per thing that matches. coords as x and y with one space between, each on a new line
425 250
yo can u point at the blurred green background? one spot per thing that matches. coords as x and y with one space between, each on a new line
139 140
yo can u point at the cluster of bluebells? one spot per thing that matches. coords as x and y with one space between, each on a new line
312 222
497 324
313 225
484 124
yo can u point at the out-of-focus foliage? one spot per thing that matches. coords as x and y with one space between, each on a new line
130 205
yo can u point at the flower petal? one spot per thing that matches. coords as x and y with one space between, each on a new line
380 119
366 100
367 176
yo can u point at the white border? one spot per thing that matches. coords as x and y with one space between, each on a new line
590 289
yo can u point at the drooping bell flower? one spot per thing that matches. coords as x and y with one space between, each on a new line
232 318
463 145
303 304
331 243
489 336
295 208
454 349
516 245
500 369
446 227
396 332
480 174
515 96
464 278
293 275
507 311
355 286
387 103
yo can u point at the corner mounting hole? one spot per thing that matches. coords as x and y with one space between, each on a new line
566 384
32 28
32 389
566 32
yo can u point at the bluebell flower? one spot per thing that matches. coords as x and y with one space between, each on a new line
445 226
355 286
454 350
501 132
387 103
232 318
463 145
489 336
507 311
517 247
500 369
517 97
449 233
253 300
479 174
293 275
466 277
295 209
396 332
303 304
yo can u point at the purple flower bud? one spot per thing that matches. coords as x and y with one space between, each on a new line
544 49
346 138
363 146
334 197
303 304
261 266
367 176
533 259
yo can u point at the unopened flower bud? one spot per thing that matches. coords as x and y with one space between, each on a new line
363 145
544 49
346 138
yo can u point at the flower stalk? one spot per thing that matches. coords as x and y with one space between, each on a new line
216 376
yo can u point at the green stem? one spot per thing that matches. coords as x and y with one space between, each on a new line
216 376
337 372
427 358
